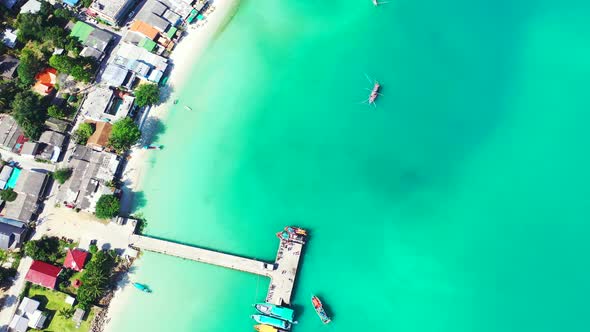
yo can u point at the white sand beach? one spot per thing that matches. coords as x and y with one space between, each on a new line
184 57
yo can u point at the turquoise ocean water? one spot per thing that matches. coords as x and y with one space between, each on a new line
460 203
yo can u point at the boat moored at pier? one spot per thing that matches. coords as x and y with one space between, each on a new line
267 328
294 234
276 311
275 322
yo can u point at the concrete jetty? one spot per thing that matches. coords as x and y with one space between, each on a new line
282 272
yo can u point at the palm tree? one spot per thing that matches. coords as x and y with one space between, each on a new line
66 313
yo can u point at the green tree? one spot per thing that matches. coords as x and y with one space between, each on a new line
61 175
96 278
45 249
84 131
28 113
147 94
28 67
107 207
8 195
30 27
56 112
66 313
124 134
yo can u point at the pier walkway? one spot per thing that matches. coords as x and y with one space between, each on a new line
282 272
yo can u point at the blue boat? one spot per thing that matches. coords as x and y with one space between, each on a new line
262 319
142 287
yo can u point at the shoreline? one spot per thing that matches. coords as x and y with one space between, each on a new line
184 57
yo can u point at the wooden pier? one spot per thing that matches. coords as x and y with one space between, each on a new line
282 272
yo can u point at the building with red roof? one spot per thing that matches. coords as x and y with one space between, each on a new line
45 81
43 274
75 259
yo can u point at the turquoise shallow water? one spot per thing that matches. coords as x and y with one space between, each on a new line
459 204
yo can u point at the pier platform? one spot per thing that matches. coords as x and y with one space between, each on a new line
282 272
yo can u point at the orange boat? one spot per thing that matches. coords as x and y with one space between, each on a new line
319 308
266 328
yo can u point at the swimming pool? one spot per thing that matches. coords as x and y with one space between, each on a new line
13 177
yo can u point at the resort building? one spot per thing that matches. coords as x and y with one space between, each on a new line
75 259
95 40
43 274
45 81
117 76
112 12
9 38
29 310
8 65
31 7
100 138
92 173
11 135
30 186
143 63
12 233
105 104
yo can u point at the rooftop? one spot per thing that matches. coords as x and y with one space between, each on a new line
45 81
112 9
11 233
114 75
10 132
75 259
8 65
145 29
96 103
28 306
9 37
100 137
43 274
29 187
31 7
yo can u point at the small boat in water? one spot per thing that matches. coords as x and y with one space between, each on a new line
267 328
152 147
319 308
275 322
142 287
294 234
276 311
374 93
187 108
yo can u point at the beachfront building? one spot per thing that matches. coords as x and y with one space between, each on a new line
143 63
30 186
92 173
43 274
105 104
95 40
11 135
12 233
8 65
29 310
75 259
112 12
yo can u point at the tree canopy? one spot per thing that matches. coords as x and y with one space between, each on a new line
107 207
80 68
147 94
124 134
84 131
56 112
96 277
46 249
61 175
8 195
28 113
28 67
